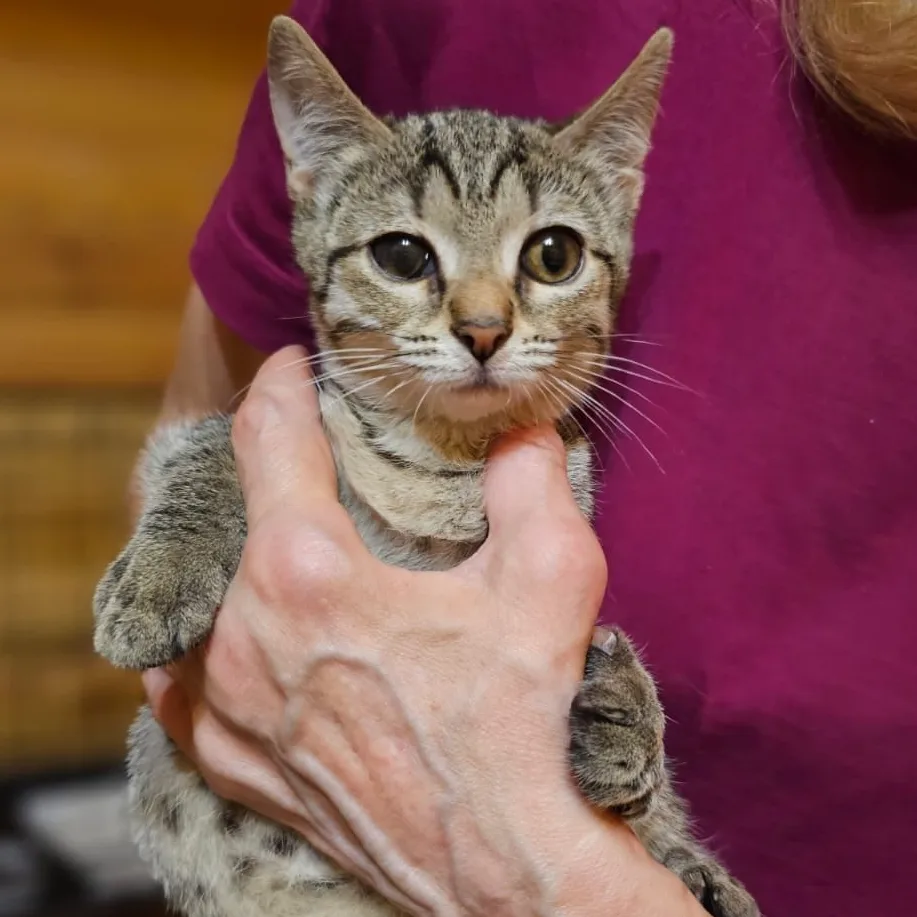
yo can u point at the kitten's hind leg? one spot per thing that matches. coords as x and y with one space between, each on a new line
157 600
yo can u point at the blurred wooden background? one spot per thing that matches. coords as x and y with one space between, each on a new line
117 122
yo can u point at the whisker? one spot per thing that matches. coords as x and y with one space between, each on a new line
400 385
597 405
314 358
586 398
339 380
568 412
348 393
333 352
345 356
617 336
608 364
417 409
337 375
349 370
599 421
616 358
556 398
616 396
596 376
528 394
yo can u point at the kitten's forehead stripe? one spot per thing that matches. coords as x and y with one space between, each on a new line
515 155
472 151
432 157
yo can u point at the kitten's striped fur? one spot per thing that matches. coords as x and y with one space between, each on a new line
416 384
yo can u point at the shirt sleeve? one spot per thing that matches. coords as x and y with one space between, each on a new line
242 257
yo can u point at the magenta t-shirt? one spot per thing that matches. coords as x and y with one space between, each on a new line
771 571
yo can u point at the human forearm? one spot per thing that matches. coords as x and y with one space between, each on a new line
213 365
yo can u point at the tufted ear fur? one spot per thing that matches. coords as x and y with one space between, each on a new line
318 119
615 130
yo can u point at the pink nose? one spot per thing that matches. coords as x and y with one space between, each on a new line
483 337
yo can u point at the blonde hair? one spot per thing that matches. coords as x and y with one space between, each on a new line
862 54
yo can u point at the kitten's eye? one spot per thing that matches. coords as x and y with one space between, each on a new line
552 255
403 257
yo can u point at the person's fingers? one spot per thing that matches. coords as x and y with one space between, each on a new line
236 770
157 684
538 535
171 708
327 830
525 484
283 456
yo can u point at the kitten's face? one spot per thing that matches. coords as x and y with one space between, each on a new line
463 266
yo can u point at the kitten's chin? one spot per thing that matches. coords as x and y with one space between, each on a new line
473 403
507 405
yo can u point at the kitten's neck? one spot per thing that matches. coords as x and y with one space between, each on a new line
388 465
423 482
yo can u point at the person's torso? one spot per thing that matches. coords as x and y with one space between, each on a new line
770 571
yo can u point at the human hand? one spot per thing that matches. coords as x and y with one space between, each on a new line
412 726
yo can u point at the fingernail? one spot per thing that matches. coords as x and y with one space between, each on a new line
542 438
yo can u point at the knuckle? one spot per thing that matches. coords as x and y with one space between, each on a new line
574 556
592 563
215 765
218 783
296 560
254 414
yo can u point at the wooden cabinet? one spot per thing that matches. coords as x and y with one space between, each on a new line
117 123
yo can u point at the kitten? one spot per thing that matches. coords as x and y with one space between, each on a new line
465 271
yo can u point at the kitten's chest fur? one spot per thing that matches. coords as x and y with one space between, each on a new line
414 507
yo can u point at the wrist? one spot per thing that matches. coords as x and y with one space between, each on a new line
600 869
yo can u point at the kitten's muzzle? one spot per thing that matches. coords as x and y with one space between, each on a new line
483 337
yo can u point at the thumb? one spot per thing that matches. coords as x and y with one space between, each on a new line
282 454
538 536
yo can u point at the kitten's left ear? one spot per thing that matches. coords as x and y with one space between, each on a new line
616 129
318 119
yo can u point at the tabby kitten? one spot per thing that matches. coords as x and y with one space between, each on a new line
465 274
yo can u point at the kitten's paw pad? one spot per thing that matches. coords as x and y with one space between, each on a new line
616 726
154 604
720 894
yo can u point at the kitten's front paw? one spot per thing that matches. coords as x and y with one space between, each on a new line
155 602
720 894
616 726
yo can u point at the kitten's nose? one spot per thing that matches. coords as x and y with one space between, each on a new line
483 337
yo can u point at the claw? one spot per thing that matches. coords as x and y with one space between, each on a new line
605 639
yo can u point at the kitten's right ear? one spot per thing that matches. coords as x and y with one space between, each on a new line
316 115
615 131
